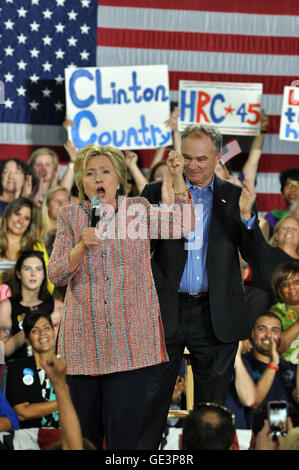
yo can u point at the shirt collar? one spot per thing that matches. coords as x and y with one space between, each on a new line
210 185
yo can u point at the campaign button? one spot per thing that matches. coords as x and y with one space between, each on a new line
28 379
28 371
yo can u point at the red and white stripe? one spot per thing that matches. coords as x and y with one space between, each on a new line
255 42
237 41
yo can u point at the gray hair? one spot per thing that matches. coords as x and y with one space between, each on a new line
196 130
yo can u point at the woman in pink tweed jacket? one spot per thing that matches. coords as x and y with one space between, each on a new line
111 331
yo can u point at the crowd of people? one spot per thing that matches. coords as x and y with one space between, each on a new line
98 304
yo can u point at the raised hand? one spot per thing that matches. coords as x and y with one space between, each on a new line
71 149
247 199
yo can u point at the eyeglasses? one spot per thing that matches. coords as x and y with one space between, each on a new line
290 283
292 185
216 405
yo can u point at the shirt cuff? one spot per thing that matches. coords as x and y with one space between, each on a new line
249 224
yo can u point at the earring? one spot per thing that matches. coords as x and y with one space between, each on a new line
118 187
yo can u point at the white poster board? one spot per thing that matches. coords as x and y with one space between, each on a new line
289 120
232 107
125 107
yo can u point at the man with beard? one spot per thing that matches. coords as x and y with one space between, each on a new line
275 378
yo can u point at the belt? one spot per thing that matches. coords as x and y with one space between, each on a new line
191 297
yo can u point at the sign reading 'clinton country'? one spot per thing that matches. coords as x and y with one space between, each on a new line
125 107
233 107
289 121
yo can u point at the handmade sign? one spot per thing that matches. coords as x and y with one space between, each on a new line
232 107
289 120
125 107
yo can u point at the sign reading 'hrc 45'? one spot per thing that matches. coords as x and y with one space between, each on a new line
233 107
125 107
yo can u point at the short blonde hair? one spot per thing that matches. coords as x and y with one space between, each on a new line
273 240
43 151
115 156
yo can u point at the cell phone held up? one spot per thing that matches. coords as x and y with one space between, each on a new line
278 418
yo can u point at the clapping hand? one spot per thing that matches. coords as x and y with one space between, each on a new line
175 164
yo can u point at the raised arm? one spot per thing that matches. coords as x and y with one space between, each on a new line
68 419
173 124
139 178
5 320
245 386
67 180
247 199
250 167
266 380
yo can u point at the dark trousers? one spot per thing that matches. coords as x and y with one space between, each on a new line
212 366
110 405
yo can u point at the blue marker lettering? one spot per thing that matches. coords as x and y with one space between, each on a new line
77 102
154 130
132 133
164 96
75 129
290 131
104 138
148 94
184 105
143 130
135 88
220 97
100 99
164 138
123 93
118 143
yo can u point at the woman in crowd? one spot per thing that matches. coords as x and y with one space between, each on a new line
15 181
18 233
28 389
283 247
29 293
285 283
44 164
111 331
289 185
286 236
157 172
56 197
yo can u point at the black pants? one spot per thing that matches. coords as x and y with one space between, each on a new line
212 366
110 405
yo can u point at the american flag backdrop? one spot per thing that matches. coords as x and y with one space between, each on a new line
236 41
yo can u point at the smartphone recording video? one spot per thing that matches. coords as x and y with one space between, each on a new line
278 417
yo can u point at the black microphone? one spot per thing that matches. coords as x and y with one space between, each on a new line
96 202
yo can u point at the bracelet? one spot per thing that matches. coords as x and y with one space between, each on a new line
71 164
271 366
182 192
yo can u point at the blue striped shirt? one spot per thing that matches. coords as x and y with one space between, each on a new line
195 275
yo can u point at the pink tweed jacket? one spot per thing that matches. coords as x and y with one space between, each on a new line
111 320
